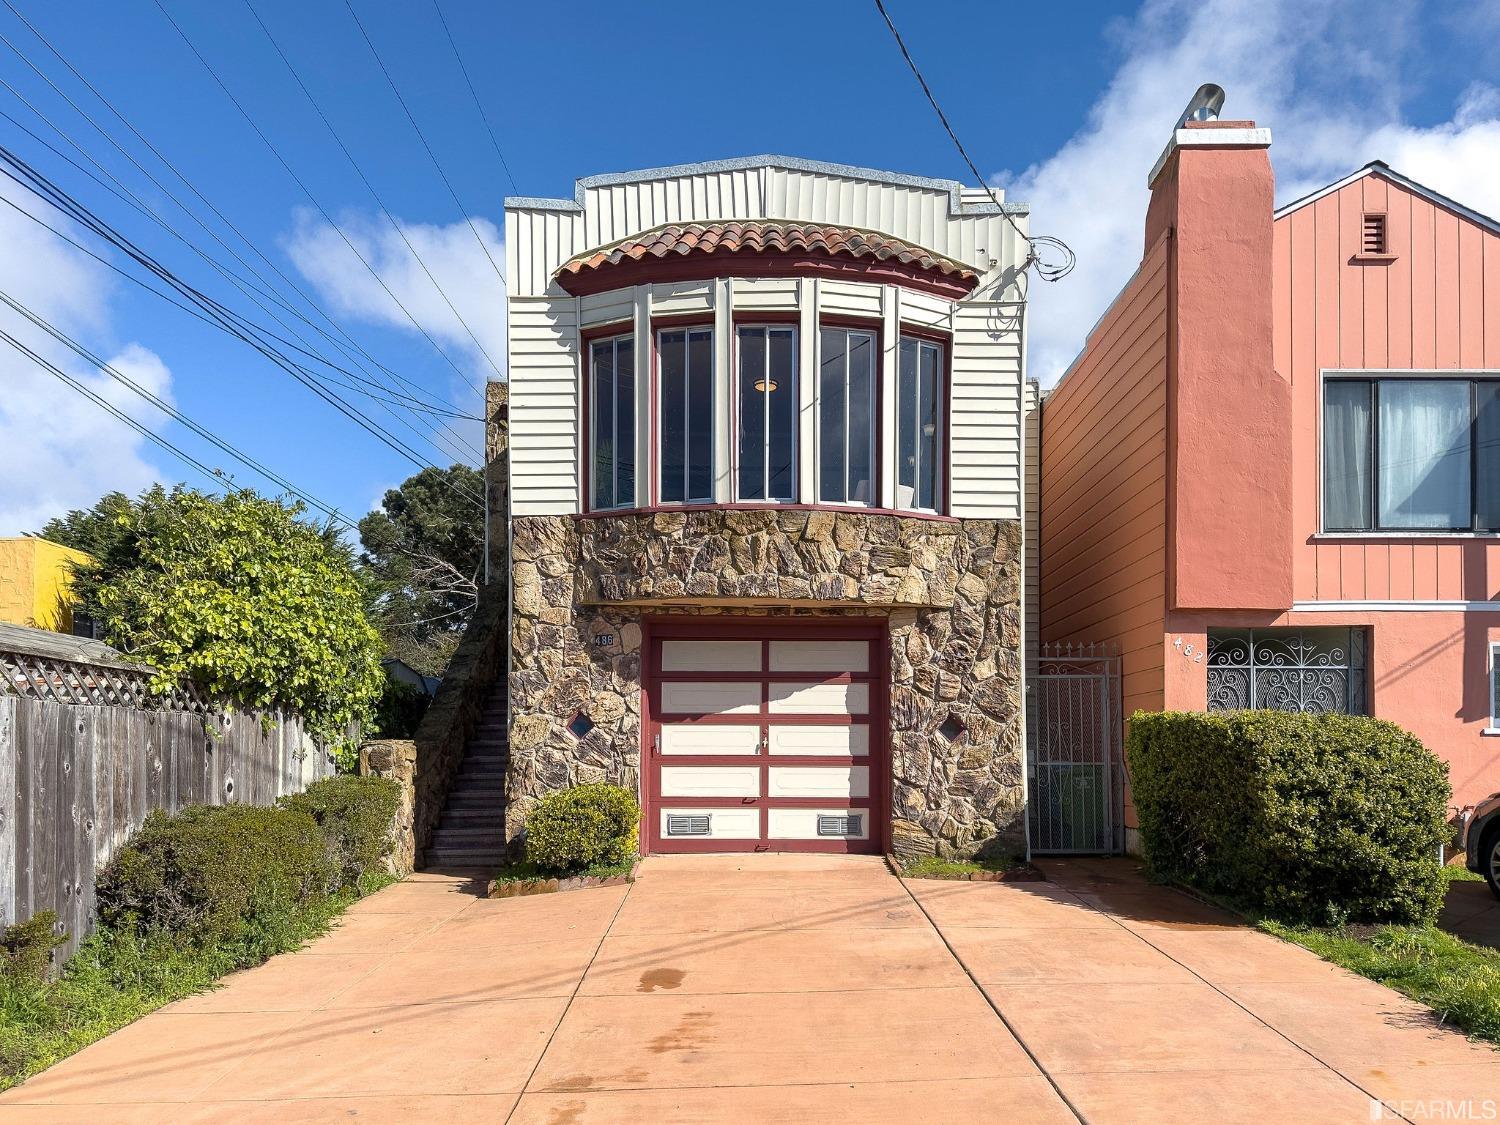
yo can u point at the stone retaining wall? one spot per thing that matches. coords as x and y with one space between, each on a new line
948 589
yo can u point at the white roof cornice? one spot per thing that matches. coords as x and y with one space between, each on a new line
953 188
1385 171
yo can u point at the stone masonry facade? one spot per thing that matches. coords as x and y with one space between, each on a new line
949 591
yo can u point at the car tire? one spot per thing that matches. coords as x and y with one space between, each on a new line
1489 858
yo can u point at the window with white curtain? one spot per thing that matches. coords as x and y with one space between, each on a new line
612 422
767 412
846 413
1411 454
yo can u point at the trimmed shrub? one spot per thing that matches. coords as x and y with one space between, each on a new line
355 814
26 947
214 872
1320 819
586 826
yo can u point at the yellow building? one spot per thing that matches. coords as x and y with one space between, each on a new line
36 581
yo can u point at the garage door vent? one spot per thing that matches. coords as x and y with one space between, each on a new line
687 825
840 825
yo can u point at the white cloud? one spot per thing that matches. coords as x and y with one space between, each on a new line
58 450
1327 77
453 255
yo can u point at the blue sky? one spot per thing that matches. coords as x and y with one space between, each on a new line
1064 104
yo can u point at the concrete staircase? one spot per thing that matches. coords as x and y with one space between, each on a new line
471 832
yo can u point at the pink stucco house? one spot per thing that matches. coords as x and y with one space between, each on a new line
1272 476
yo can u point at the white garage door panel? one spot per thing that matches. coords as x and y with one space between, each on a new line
802 824
820 699
852 741
732 698
820 656
710 656
684 738
710 781
819 781
723 824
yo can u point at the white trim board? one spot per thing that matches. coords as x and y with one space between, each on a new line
1396 607
1384 170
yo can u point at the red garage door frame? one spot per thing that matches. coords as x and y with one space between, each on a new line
656 629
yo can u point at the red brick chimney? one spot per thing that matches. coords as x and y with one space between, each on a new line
1229 461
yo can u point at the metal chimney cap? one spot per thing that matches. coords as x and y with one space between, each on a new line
1204 105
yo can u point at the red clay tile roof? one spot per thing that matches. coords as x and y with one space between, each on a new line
765 237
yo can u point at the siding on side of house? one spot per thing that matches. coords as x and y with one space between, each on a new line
1030 547
1103 538
1434 306
543 405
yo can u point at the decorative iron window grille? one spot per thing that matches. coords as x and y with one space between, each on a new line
1315 670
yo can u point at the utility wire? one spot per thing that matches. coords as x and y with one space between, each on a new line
170 410
431 155
125 195
39 185
215 475
380 202
291 283
488 128
1045 270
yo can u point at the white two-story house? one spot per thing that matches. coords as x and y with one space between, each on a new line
765 469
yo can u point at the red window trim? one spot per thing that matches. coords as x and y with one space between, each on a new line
753 506
945 447
684 322
780 318
588 337
875 326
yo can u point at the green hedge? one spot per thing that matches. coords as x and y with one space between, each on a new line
586 826
210 872
1319 819
355 814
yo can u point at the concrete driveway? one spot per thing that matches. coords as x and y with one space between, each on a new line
780 988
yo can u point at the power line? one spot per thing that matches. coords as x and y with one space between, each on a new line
1046 271
168 409
431 155
45 189
488 128
380 202
214 475
292 284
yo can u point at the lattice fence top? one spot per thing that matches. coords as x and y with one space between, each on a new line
35 664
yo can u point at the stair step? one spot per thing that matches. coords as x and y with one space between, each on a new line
468 838
486 778
480 790
472 818
462 857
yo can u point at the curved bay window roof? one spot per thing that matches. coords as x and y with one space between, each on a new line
690 251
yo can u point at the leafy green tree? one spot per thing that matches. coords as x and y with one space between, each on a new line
103 532
423 549
240 595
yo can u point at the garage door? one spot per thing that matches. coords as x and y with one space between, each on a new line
765 742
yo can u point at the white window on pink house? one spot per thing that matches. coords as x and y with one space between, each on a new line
1495 686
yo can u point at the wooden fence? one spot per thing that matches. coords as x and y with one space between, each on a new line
86 754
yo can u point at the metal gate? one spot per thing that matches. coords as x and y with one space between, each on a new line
1075 769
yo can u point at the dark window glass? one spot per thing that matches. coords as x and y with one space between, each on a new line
767 413
845 412
1348 472
919 396
1411 454
1487 438
685 414
612 426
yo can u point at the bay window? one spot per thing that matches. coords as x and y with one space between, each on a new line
1411 454
612 422
919 393
846 417
767 409
685 413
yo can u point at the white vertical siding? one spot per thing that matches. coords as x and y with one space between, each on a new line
544 405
